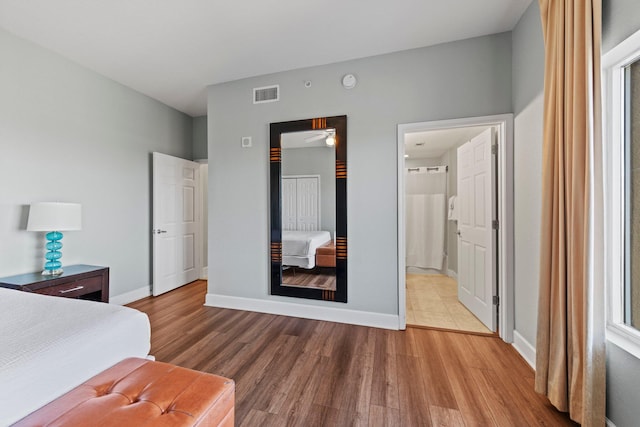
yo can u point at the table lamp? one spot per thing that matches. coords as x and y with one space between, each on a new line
54 217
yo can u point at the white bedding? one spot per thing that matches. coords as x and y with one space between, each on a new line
303 243
299 247
49 345
307 262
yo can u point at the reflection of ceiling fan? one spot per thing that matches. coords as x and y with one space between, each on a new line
328 135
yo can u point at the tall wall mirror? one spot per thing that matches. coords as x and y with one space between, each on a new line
308 179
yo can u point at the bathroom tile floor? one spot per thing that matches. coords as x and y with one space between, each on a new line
432 301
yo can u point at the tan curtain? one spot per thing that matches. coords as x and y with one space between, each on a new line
570 349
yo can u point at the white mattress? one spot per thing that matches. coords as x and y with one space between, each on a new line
49 345
303 243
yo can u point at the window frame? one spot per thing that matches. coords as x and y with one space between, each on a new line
614 64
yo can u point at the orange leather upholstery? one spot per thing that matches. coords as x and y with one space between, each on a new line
139 392
326 255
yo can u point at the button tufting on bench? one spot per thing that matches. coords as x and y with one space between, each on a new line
187 397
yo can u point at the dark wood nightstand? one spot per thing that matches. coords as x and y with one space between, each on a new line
88 282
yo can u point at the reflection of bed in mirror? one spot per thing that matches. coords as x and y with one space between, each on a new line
299 247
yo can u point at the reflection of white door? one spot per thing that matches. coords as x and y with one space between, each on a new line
289 219
176 222
301 203
308 204
476 242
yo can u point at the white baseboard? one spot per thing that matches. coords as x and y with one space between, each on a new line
204 275
419 270
453 274
609 423
526 350
131 296
305 311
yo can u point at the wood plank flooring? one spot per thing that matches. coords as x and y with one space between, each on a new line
317 278
298 372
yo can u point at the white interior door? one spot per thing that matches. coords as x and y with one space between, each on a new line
476 236
176 222
308 206
289 208
301 203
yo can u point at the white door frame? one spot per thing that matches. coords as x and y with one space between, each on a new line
504 122
204 215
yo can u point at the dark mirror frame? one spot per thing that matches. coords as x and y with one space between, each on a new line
339 123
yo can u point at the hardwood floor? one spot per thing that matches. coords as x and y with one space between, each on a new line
298 372
317 278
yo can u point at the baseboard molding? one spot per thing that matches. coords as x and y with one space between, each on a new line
131 296
427 271
609 423
526 350
305 311
204 275
452 274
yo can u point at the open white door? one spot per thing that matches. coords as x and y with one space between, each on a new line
176 222
476 236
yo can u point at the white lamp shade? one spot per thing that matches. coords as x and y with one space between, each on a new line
54 216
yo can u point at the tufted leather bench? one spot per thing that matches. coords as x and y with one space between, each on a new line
139 392
326 255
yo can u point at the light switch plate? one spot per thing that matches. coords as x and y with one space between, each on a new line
246 141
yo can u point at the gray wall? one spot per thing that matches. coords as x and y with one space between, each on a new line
316 161
199 140
623 377
416 163
528 87
461 79
621 18
69 134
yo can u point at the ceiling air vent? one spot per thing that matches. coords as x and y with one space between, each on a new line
266 94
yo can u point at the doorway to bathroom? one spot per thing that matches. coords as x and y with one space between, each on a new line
453 187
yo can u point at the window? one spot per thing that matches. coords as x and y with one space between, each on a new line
632 194
622 193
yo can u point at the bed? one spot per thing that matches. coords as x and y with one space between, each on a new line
299 247
49 345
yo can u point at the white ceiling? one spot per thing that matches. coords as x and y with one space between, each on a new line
305 139
172 50
434 143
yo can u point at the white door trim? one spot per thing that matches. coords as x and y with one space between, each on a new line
204 216
504 122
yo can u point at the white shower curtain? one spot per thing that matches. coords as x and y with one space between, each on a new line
425 217
425 230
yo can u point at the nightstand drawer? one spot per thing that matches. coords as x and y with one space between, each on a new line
74 288
89 282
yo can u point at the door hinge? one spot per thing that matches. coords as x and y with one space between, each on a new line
496 300
494 149
495 224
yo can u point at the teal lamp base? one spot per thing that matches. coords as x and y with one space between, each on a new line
53 266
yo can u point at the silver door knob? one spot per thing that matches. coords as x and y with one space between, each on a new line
458 233
158 231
